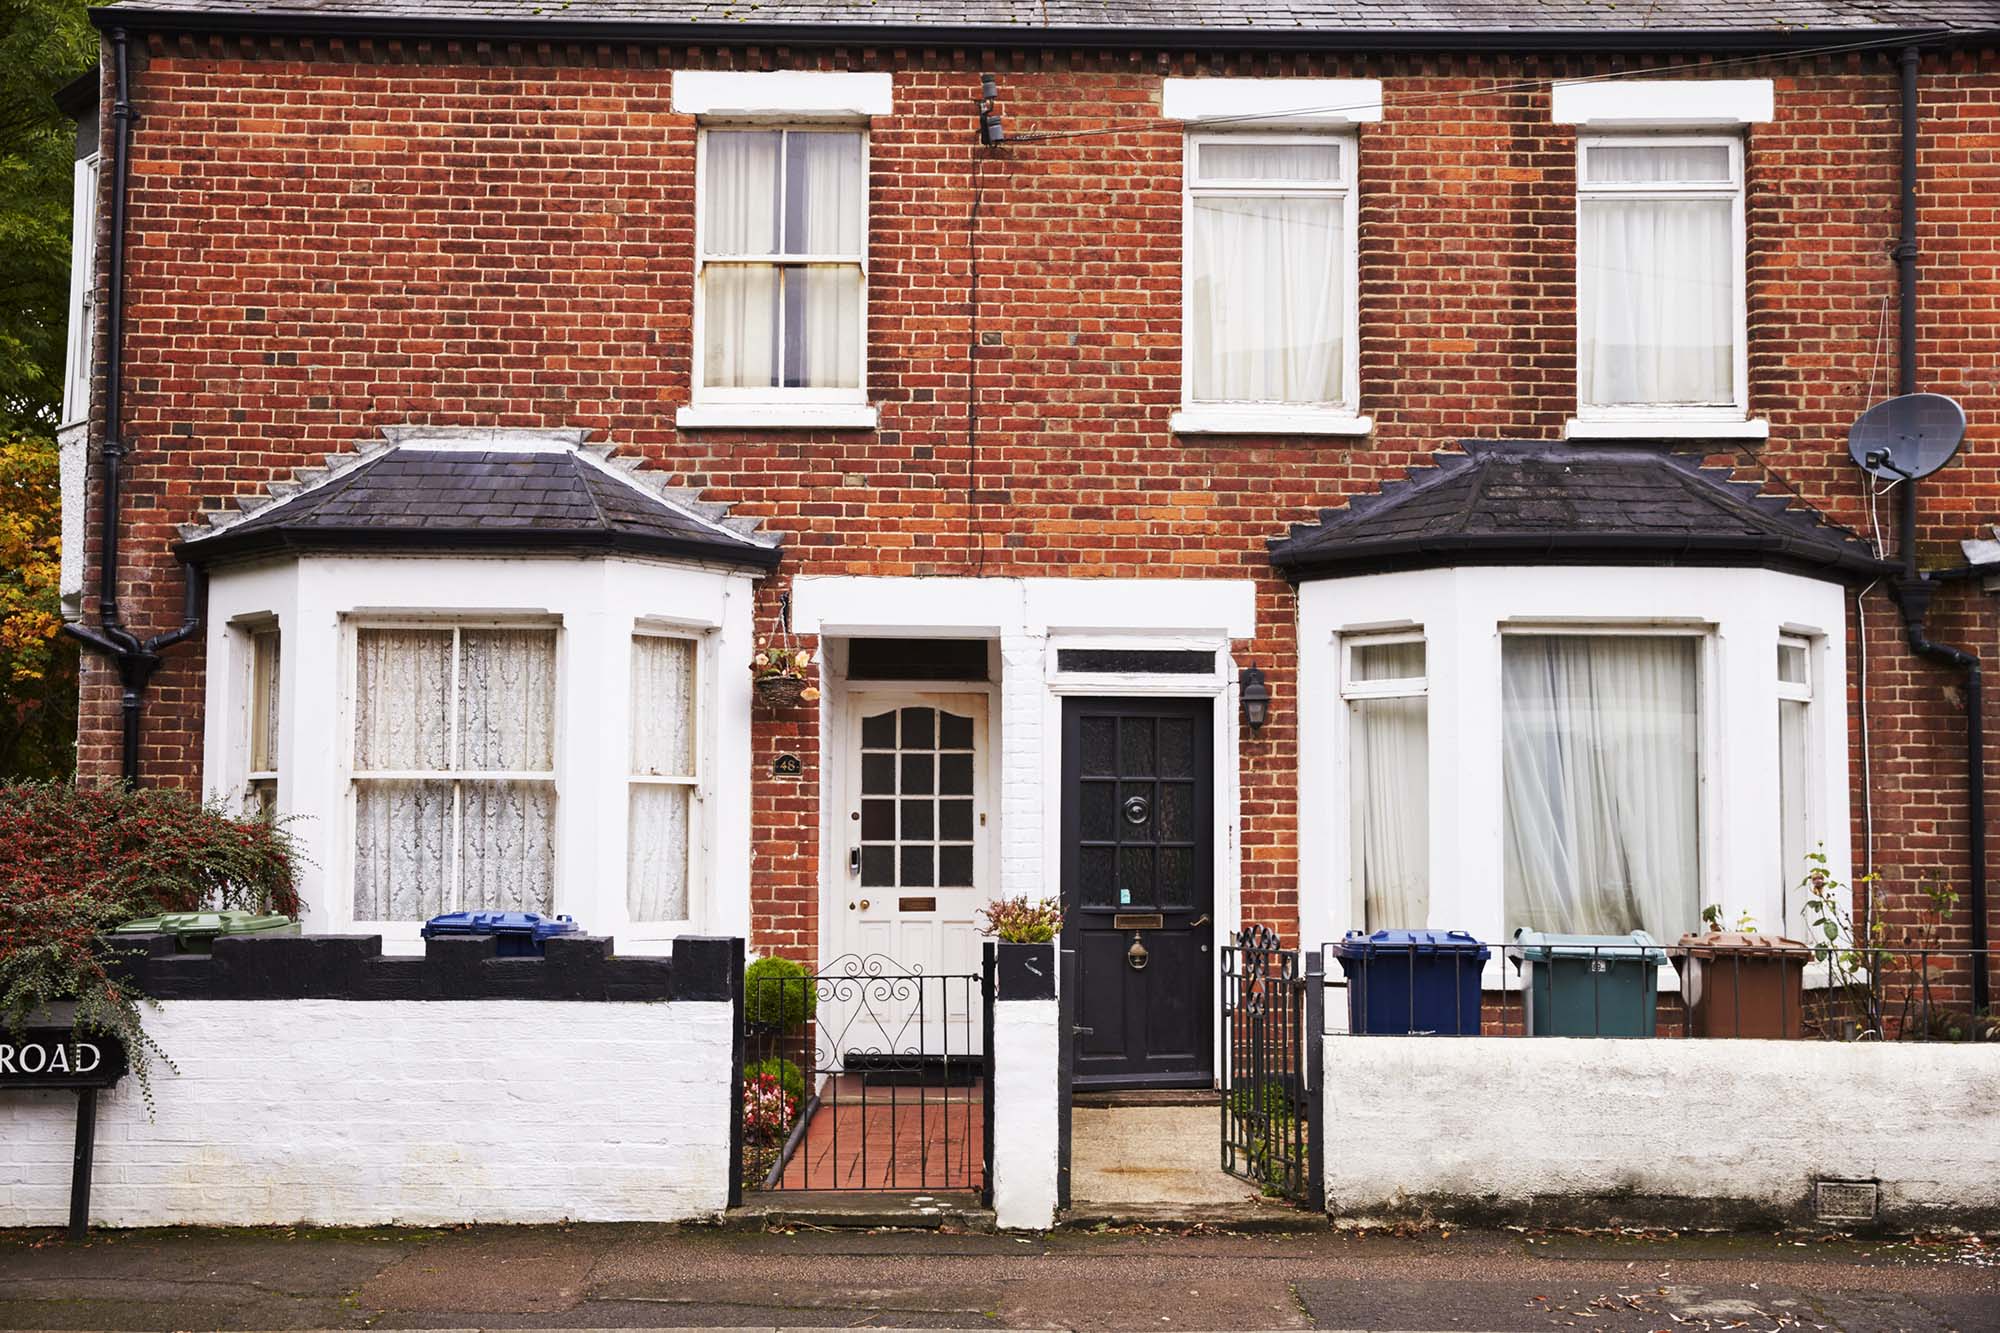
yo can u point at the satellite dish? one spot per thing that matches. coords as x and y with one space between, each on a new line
1907 437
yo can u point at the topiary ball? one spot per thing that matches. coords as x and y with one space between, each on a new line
788 1075
778 993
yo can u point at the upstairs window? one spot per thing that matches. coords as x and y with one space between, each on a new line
1270 271
78 360
782 264
1660 307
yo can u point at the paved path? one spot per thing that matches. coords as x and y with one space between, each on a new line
658 1277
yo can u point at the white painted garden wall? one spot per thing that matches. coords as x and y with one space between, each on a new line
345 1112
1727 1129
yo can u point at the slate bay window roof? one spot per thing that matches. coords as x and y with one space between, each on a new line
1236 23
1537 503
453 492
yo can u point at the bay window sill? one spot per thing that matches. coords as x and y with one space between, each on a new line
777 416
1226 420
1667 428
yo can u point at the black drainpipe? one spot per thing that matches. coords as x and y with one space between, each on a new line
136 659
1914 590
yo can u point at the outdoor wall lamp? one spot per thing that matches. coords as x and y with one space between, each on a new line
1256 696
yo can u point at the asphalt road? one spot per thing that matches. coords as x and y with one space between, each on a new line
669 1277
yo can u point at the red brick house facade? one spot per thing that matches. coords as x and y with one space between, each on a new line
371 232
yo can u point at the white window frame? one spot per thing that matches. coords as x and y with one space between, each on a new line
1791 691
353 776
79 352
727 404
696 782
1225 417
1673 420
256 779
1352 692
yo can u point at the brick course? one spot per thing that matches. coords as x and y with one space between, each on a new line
330 237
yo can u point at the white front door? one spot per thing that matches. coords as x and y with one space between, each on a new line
914 832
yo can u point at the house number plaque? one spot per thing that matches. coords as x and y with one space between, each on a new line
787 766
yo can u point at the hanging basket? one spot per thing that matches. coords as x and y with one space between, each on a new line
780 691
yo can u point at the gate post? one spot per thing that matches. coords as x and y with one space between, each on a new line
736 1076
1025 1112
1315 1030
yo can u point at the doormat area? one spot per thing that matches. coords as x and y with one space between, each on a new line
1151 1155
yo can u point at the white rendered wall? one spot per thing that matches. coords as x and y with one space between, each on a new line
1024 1114
1427 1122
422 1112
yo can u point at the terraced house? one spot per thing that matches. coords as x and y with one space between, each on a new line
1326 465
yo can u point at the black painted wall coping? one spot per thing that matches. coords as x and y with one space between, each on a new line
464 967
1026 972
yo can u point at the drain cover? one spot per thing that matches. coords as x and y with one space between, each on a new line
1846 1200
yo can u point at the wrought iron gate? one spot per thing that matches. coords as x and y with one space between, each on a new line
864 1075
1273 1007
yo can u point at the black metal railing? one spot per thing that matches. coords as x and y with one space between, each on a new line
864 1075
1271 1064
1695 992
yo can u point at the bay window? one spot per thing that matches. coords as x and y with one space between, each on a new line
1270 273
1600 783
782 264
1389 787
454 769
665 777
261 768
1794 768
1660 277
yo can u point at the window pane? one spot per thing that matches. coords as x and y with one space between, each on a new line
402 836
1237 161
1635 164
1792 664
662 706
1266 300
1794 830
739 316
507 846
825 194
1387 661
656 859
264 702
740 192
1656 302
507 700
822 327
1389 773
1600 773
402 700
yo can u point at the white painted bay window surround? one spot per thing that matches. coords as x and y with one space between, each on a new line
261 777
1662 346
1566 748
1270 319
781 247
666 775
79 359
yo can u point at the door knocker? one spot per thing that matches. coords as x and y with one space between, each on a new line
1137 955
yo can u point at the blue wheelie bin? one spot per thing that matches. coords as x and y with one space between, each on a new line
1589 985
516 934
1412 981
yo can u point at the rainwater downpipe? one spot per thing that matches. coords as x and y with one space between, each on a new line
1913 591
136 659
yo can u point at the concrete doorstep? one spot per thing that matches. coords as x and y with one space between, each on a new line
779 1210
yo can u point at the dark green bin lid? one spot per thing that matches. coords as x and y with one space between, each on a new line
1541 946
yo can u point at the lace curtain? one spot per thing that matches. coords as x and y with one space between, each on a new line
770 193
426 845
1656 299
1389 773
1266 277
1600 774
663 745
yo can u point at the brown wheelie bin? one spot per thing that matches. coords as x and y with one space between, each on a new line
1739 985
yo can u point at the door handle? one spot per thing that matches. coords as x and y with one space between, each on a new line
853 860
1201 920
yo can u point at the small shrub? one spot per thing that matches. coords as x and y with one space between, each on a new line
767 1109
1023 920
778 993
789 1076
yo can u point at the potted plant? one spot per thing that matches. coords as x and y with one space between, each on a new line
781 675
1026 929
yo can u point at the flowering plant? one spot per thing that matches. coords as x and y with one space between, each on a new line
1023 920
78 861
782 675
767 1108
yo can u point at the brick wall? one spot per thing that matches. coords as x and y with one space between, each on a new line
331 237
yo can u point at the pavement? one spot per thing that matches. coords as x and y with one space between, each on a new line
657 1276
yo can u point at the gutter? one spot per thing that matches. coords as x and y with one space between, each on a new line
1913 589
136 659
880 35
